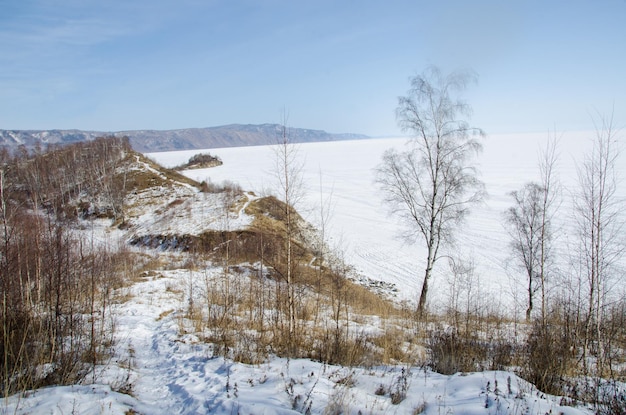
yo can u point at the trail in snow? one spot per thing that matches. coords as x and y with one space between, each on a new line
173 373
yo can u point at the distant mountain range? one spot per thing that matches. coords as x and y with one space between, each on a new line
233 135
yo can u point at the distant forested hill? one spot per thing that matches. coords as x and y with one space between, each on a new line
234 135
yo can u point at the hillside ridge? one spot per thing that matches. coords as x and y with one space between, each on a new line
232 135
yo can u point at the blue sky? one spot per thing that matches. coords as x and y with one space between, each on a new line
334 65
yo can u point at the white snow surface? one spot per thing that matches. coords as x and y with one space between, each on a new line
173 373
192 214
341 174
180 209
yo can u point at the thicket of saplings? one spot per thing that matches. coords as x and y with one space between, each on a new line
58 285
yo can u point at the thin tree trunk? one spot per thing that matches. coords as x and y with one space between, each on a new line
529 310
427 273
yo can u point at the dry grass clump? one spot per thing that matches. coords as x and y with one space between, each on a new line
165 174
399 345
225 187
271 207
366 302
451 353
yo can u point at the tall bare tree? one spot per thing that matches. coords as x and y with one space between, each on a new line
529 223
432 185
600 224
550 203
289 179
529 235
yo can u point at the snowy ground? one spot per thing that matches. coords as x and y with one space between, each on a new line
343 172
164 371
167 373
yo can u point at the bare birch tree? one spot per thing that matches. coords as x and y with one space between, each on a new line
289 177
529 234
530 226
432 185
550 203
598 219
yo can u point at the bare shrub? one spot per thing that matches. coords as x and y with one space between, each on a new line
501 354
612 399
225 186
548 357
451 353
338 404
400 387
